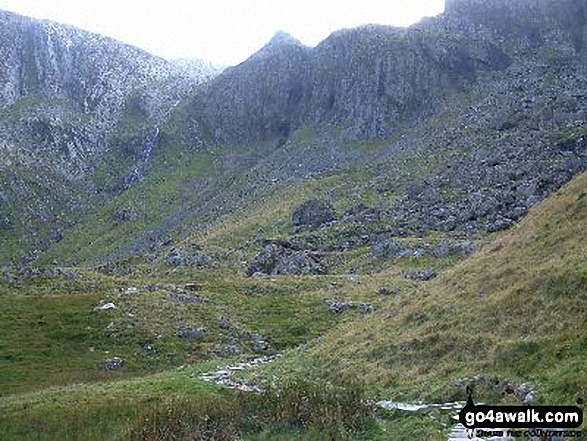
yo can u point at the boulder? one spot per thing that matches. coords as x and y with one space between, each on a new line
281 259
106 307
191 334
425 275
181 297
130 291
386 291
126 214
4 222
365 309
181 257
313 213
336 307
111 365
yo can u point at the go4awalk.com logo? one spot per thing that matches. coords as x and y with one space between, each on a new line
522 421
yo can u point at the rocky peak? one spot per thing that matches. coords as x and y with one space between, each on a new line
282 38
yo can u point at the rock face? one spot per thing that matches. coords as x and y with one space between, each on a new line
70 104
365 80
282 258
313 213
85 118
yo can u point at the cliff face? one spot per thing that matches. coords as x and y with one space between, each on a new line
74 105
364 81
83 117
368 81
95 73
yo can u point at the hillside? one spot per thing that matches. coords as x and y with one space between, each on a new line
78 114
447 94
394 214
514 312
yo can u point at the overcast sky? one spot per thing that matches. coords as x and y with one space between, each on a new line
221 31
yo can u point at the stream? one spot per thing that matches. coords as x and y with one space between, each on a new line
226 377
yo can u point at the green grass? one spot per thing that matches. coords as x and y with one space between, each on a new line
514 310
102 411
162 195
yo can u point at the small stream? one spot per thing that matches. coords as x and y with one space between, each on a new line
227 377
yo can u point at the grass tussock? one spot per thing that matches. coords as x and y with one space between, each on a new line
299 407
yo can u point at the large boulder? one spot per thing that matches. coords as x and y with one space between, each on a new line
282 259
198 259
313 213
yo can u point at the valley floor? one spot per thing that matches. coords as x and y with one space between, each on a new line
86 354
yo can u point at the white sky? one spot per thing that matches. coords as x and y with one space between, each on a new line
221 31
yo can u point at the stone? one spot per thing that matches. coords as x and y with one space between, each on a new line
281 259
313 213
386 291
130 291
179 257
107 307
425 275
5 222
191 334
111 365
365 309
181 297
260 346
224 323
126 214
336 307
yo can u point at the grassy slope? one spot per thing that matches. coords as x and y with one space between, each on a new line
516 310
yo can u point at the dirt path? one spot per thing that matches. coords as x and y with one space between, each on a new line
227 377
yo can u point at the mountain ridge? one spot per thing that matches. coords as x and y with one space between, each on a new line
370 84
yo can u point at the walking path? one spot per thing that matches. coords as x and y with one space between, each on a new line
226 377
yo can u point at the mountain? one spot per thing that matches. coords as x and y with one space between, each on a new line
394 214
439 116
75 107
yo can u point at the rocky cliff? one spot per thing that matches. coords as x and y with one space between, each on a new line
368 81
78 113
90 125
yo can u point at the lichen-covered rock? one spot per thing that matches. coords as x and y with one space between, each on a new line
424 275
111 365
191 334
281 259
313 213
182 297
126 214
181 257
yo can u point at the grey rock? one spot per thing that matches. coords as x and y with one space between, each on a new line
336 307
107 307
425 275
196 259
181 297
113 364
281 259
191 334
260 346
313 213
5 222
386 291
126 214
